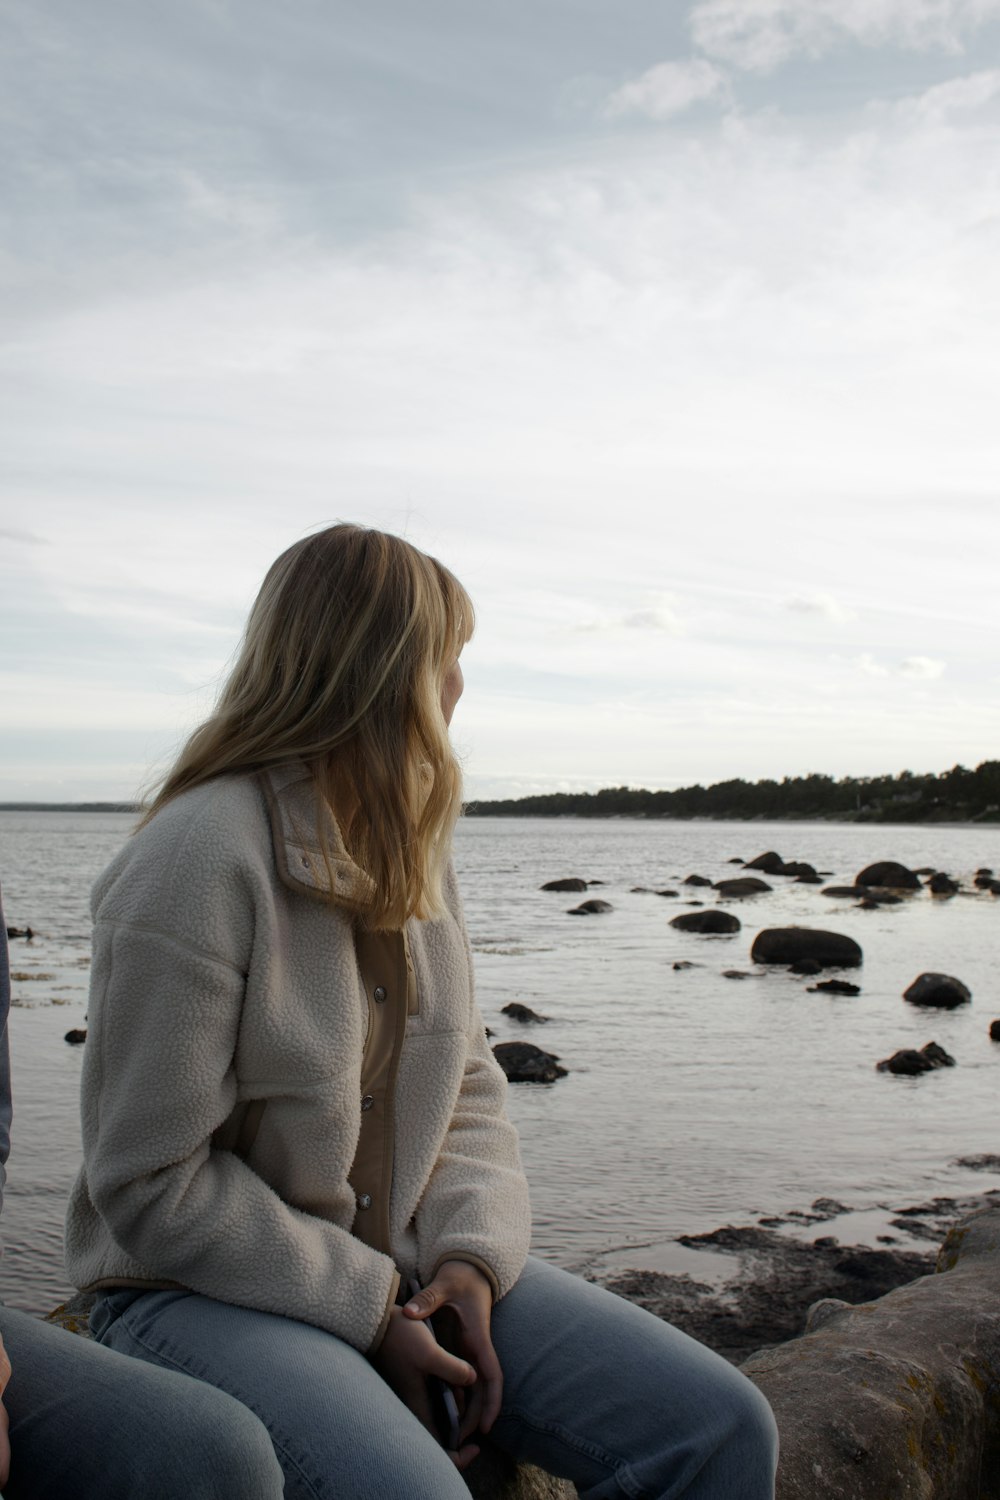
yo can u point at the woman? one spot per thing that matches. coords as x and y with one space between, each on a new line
290 1109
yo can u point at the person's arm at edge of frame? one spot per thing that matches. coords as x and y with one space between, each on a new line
6 1111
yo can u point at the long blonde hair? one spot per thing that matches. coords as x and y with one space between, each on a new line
341 666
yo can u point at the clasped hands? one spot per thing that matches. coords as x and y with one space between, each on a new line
460 1300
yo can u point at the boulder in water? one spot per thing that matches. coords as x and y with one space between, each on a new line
770 863
747 885
835 987
785 945
591 908
711 921
569 883
76 1036
523 1062
890 873
909 1062
941 884
696 880
519 1012
941 990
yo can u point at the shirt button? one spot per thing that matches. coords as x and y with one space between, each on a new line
364 1200
367 1100
379 993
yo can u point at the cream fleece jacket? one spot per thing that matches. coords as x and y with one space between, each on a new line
224 980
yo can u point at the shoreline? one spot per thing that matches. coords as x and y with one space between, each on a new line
743 1288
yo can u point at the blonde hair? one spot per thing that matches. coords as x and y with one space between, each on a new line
341 665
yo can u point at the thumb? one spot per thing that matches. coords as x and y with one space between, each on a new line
425 1302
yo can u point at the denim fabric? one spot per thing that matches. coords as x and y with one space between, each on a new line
86 1422
595 1390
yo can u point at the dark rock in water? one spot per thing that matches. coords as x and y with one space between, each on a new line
983 879
868 905
994 1028
924 870
909 1062
987 1162
737 861
852 892
570 883
489 1033
20 932
835 987
942 990
770 863
75 1037
888 872
809 879
737 974
994 886
641 890
665 893
984 870
747 885
519 1012
706 921
591 908
785 945
523 1062
685 963
941 884
696 880
694 903
597 882
805 966
800 870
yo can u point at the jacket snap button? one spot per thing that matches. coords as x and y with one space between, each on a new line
364 1200
367 1100
380 993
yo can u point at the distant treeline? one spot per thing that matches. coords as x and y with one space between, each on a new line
958 795
100 807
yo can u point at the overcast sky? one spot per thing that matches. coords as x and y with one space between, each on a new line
673 328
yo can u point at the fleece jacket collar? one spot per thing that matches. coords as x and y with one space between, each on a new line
308 845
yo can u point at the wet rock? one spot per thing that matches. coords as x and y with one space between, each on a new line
801 870
986 1162
941 990
597 882
785 945
641 890
737 974
984 870
519 1012
770 863
20 932
909 1062
737 861
570 883
523 1062
684 963
995 1031
748 885
666 893
896 1400
696 880
941 884
852 892
591 908
706 921
805 966
983 879
809 879
890 873
835 987
75 1037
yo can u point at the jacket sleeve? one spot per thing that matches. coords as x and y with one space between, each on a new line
475 1206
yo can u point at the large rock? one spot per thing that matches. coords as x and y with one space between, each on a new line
941 884
519 1012
745 885
786 945
706 921
570 883
800 869
591 908
696 880
770 863
910 1062
897 1399
889 872
523 1062
942 990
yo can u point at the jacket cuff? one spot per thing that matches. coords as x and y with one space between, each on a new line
471 1260
381 1330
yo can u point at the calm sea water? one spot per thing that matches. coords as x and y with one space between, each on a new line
691 1100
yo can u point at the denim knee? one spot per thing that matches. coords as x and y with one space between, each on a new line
236 1458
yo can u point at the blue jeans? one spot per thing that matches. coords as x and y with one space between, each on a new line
85 1422
595 1390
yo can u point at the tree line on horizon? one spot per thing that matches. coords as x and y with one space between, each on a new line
958 795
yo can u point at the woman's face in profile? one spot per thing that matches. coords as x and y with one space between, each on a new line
451 689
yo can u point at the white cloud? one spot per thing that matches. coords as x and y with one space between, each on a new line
758 35
668 89
957 95
661 616
866 664
923 667
824 605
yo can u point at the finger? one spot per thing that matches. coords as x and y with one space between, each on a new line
471 1416
490 1386
425 1302
448 1367
463 1458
